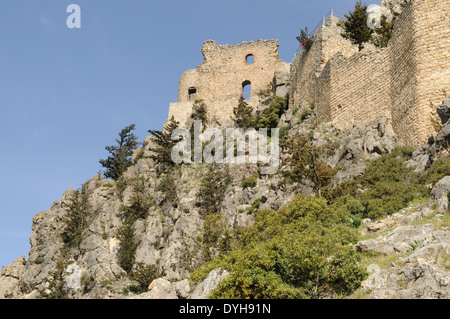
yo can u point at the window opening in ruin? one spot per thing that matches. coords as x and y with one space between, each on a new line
250 59
247 89
192 94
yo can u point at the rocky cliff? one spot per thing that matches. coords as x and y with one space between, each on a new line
417 238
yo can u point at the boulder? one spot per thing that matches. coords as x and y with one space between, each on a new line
159 289
439 195
444 111
203 289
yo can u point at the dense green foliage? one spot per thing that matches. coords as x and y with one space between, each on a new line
355 28
384 32
120 158
57 287
212 189
144 274
76 219
300 251
306 166
388 185
128 246
270 117
243 114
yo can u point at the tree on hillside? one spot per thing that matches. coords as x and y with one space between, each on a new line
305 40
384 32
243 114
355 28
120 158
162 142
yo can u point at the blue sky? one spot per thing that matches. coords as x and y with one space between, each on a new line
66 93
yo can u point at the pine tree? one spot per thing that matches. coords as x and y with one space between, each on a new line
163 142
355 28
243 114
120 158
305 40
76 219
199 112
384 32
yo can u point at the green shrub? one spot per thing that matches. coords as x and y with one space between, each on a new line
243 114
39 260
388 185
169 189
212 189
250 181
300 251
284 130
305 40
306 167
140 203
163 143
144 275
108 185
270 117
438 170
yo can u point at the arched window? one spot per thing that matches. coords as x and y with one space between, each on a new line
247 89
250 59
192 94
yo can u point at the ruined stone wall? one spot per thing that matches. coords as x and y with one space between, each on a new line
432 51
219 80
399 82
403 79
308 65
356 89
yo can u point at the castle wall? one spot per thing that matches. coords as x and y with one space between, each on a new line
432 50
219 80
399 82
355 89
308 65
403 76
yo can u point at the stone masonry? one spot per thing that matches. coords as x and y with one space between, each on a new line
401 82
220 80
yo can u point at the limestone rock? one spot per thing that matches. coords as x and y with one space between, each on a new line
159 289
439 195
203 289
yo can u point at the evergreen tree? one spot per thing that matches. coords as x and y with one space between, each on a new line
163 143
199 112
384 32
120 158
128 246
76 219
355 28
243 114
305 40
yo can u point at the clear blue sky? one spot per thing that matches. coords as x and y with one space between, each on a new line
66 93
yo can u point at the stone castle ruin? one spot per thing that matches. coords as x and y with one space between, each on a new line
227 73
401 82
